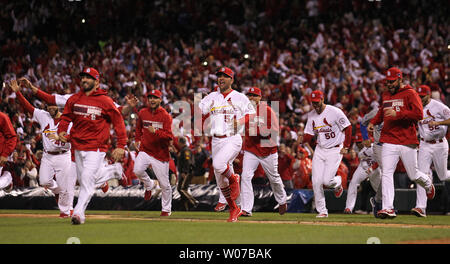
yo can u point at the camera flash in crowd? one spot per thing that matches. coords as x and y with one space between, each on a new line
246 56
83 20
205 63
135 82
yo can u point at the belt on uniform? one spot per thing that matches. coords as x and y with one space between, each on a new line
56 152
380 144
220 136
433 141
334 146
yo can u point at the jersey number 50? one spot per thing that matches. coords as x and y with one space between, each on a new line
330 135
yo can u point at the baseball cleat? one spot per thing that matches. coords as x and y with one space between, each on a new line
165 213
63 215
246 214
338 192
282 209
234 214
386 213
220 207
105 187
322 215
234 186
147 195
431 192
76 220
418 212
347 211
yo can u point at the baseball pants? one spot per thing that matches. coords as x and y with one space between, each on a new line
325 164
161 170
377 147
270 166
224 151
5 178
59 167
88 163
428 153
391 155
358 176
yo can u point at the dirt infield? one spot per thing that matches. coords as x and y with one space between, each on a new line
319 223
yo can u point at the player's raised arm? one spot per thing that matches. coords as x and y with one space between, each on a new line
24 102
47 98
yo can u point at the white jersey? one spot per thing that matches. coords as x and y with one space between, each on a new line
223 111
61 100
433 111
366 157
327 126
48 127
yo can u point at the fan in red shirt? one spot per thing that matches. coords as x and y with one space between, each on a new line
400 110
8 141
92 112
153 137
260 147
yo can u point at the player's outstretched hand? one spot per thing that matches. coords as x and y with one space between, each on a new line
14 86
131 100
25 82
118 154
344 151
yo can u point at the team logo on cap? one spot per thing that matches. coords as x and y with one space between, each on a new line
388 73
88 70
223 69
253 89
420 90
313 95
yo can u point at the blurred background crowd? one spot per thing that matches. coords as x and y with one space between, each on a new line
286 48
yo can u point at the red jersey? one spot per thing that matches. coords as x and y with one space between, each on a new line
92 117
8 137
154 144
400 130
265 124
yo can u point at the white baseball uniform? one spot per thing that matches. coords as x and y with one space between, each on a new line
433 146
226 143
328 126
364 170
55 160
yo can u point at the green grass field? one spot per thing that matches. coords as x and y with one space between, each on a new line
146 227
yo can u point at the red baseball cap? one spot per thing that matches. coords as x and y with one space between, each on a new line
254 90
423 90
155 93
316 96
91 72
394 74
227 71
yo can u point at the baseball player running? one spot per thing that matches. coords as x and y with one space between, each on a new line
367 168
334 133
8 141
227 109
56 159
92 112
153 136
257 152
433 144
376 147
106 171
401 109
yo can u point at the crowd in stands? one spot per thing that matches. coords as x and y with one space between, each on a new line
286 48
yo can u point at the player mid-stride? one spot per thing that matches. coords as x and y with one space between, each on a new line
334 134
400 110
433 144
226 110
